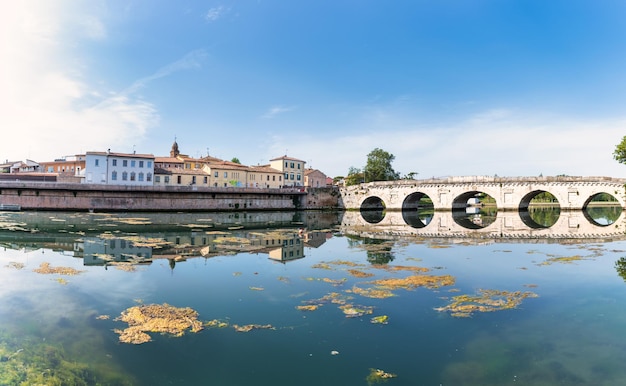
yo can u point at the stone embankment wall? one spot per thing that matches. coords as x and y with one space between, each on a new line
322 198
86 197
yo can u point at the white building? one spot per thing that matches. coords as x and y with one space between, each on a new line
119 168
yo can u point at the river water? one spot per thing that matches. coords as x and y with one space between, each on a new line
314 298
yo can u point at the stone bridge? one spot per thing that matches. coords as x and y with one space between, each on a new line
510 193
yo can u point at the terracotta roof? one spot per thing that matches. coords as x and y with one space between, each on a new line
128 155
170 160
264 169
287 158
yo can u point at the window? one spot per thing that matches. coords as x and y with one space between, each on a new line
298 177
114 162
149 177
179 179
217 174
132 176
268 177
157 179
166 179
273 178
125 163
97 162
286 164
141 176
149 164
225 174
114 175
132 163
286 176
298 166
124 176
141 164
206 180
280 178
292 177
193 180
292 165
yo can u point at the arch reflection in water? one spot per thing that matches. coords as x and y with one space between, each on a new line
541 216
474 217
373 216
418 210
603 215
506 224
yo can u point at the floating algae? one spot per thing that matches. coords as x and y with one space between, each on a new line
216 323
373 293
332 297
161 318
462 306
257 288
15 265
308 307
414 281
378 376
562 260
382 319
322 266
359 273
250 327
352 311
46 269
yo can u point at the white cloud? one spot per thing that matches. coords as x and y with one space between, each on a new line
48 107
499 142
215 13
276 110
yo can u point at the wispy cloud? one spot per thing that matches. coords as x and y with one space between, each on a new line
276 110
192 60
216 13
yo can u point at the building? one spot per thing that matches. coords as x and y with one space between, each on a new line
119 168
264 176
314 178
292 169
69 165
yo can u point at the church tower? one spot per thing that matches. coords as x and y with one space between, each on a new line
174 152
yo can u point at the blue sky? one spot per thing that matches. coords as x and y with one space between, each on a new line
450 87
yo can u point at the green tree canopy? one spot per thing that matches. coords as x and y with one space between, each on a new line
378 167
620 151
355 176
235 160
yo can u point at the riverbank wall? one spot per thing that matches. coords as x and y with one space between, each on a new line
117 198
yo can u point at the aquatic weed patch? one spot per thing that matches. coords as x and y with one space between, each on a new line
160 318
486 300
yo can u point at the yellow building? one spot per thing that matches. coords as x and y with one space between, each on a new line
264 176
292 169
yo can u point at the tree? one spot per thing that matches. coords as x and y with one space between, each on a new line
378 167
235 160
355 176
620 151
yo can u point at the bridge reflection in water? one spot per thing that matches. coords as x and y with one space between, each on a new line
535 223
